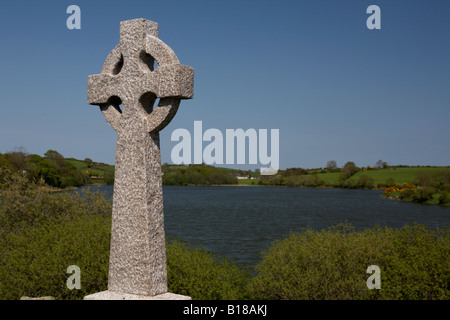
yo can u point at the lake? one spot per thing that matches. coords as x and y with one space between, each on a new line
239 222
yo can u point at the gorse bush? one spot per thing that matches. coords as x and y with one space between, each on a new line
431 188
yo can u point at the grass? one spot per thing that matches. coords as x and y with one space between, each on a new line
400 175
331 177
248 181
77 163
97 169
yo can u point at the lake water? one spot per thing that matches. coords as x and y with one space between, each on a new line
240 222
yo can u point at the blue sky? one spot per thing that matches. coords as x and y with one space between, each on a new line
312 69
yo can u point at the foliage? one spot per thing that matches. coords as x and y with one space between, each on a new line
53 169
25 203
331 264
42 233
72 229
294 172
331 166
431 188
34 261
381 164
202 276
196 175
108 177
348 170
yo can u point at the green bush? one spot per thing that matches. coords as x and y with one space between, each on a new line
444 198
42 233
35 260
332 264
24 203
34 263
202 276
365 182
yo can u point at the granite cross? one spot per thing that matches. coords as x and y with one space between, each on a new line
137 263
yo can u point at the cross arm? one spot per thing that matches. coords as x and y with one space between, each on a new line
101 88
173 80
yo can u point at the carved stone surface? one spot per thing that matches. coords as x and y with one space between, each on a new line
138 256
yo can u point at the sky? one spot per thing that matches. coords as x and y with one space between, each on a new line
335 89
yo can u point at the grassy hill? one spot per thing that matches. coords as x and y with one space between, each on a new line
400 175
98 173
388 176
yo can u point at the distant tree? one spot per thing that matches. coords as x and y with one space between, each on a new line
348 170
365 182
108 177
4 161
331 165
53 155
295 172
62 173
379 164
89 162
18 159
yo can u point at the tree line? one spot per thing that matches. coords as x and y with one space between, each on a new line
196 174
52 169
299 177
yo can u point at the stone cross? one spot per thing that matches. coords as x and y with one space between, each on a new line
137 265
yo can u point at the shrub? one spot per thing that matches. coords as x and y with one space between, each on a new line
34 263
349 170
444 199
25 203
202 276
35 260
332 264
423 195
43 233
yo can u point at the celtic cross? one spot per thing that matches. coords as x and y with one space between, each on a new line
137 255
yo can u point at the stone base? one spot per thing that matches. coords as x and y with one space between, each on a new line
113 295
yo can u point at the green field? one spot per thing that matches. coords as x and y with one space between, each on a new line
96 169
248 181
400 175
